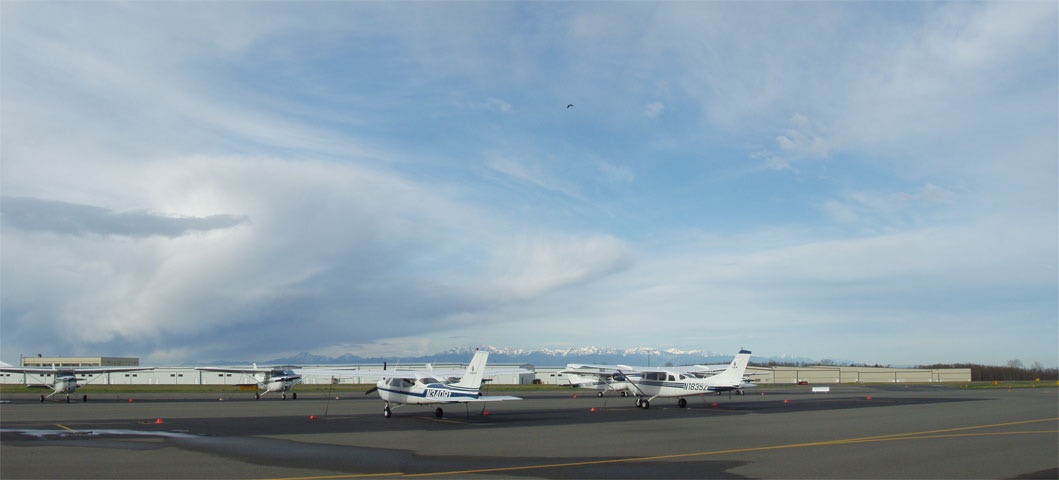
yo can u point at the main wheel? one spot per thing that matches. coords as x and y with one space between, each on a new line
600 394
42 399
386 412
682 403
257 396
646 404
439 412
639 402
284 395
624 394
84 398
293 395
67 399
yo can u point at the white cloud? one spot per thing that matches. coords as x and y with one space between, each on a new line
653 109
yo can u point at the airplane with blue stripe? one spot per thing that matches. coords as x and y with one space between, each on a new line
423 387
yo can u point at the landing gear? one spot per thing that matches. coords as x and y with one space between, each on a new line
682 403
293 395
600 394
645 405
386 412
42 399
438 412
624 394
284 395
739 392
67 399
84 398
257 396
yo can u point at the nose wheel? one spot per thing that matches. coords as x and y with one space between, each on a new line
682 403
600 394
386 412
439 412
84 398
293 395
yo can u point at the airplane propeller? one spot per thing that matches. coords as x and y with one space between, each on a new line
370 391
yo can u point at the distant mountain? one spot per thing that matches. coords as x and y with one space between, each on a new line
543 357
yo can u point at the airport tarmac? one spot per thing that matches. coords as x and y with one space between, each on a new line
914 431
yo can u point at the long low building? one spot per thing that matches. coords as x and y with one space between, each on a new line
545 375
191 376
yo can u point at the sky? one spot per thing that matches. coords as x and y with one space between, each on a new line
867 181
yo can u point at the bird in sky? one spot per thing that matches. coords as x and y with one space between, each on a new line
569 105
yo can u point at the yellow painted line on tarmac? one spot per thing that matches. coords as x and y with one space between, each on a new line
929 434
64 427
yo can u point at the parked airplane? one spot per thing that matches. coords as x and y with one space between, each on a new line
666 382
422 387
65 379
588 375
267 379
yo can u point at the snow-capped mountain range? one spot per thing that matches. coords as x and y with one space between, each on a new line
545 356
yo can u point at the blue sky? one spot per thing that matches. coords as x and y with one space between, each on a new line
875 182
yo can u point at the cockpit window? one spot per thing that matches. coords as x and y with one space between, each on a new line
671 378
428 380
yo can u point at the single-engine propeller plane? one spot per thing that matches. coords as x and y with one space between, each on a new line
266 379
423 387
65 379
648 383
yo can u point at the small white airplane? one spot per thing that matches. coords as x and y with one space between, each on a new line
266 379
422 387
589 376
578 377
65 379
648 383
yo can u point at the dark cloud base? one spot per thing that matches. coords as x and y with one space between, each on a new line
39 215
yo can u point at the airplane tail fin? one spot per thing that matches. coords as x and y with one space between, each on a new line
472 378
734 373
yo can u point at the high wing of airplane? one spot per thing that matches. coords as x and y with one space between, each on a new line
666 382
423 387
265 379
65 379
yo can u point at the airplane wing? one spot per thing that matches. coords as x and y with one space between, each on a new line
493 398
238 370
343 373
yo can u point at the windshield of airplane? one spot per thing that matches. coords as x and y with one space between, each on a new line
428 380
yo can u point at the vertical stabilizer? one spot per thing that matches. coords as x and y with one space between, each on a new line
472 378
733 375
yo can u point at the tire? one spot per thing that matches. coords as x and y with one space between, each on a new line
42 399
646 404
294 396
439 412
600 394
386 412
639 402
84 398
67 399
682 403
284 395
625 394
257 396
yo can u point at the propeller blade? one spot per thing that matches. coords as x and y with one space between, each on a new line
372 390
